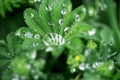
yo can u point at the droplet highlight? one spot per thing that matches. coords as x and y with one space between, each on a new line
28 35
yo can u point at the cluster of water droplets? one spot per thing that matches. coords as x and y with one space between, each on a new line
53 39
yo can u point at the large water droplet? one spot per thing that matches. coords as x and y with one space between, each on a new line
28 35
63 11
92 32
48 8
31 15
53 39
36 36
77 17
82 66
60 22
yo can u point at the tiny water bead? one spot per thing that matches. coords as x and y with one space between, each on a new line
28 34
63 11
92 32
82 66
77 17
53 39
36 36
35 44
66 29
48 8
31 15
64 4
49 49
37 0
60 22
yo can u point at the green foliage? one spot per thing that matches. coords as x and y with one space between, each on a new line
7 5
61 43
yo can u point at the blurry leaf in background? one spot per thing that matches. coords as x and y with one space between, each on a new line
7 5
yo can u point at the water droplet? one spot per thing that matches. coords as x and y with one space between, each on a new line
37 36
60 22
77 17
53 39
110 67
91 12
64 4
66 29
35 44
63 11
36 77
37 1
73 70
82 66
50 23
92 32
48 8
33 54
87 66
31 15
28 35
84 9
49 49
18 33
28 66
15 77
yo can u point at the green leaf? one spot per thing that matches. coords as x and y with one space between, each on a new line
34 21
13 44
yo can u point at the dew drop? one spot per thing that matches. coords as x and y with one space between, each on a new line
82 66
73 70
87 66
64 4
37 1
48 8
66 29
60 22
50 23
31 15
18 33
92 32
63 11
77 17
36 36
53 39
84 9
28 35
35 44
49 49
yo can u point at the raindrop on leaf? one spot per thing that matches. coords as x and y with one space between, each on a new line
36 36
60 22
63 11
77 17
31 15
82 66
53 39
28 35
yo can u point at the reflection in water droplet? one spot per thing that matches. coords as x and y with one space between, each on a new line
60 22
28 35
53 39
31 15
82 66
77 17
63 11
36 36
92 32
48 8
